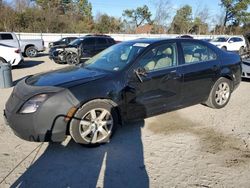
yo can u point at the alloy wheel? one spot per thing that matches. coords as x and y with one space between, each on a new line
32 53
222 93
96 126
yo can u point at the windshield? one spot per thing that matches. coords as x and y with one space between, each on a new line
220 39
116 57
76 42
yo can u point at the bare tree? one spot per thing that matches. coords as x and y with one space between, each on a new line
21 5
163 10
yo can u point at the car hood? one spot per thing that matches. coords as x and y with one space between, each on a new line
67 77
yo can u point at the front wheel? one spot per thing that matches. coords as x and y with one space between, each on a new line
220 94
94 123
72 59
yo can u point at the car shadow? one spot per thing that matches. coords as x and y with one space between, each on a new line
245 80
42 54
119 163
28 64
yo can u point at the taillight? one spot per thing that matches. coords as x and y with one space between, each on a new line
18 51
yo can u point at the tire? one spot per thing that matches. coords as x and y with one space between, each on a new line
220 94
31 51
94 123
2 60
241 51
72 59
224 48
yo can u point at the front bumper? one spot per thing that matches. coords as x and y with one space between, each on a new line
18 60
48 122
54 55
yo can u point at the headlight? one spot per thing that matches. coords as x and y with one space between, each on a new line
33 104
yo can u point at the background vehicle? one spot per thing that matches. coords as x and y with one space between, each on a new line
246 68
80 49
186 36
246 58
29 47
62 41
130 80
10 54
230 43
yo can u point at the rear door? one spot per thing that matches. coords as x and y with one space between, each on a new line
160 88
200 68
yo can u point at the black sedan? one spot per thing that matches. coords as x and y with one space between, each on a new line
128 81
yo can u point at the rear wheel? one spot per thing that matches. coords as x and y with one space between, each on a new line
241 51
224 48
31 51
2 60
94 123
220 94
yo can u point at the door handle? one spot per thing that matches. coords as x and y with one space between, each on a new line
173 72
172 75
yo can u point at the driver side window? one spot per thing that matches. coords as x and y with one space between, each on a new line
160 57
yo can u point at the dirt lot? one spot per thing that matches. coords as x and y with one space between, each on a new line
192 147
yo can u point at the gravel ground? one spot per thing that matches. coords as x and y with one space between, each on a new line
192 147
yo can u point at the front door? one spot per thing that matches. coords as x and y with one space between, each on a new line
159 88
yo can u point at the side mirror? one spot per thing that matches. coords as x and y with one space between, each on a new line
140 72
230 41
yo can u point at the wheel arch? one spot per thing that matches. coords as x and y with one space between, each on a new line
1 58
228 74
29 45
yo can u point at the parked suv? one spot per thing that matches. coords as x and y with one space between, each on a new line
80 49
230 43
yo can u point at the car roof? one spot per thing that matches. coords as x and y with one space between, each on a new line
155 40
95 36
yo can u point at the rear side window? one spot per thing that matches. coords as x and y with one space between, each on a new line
6 37
89 41
236 39
111 41
239 39
101 41
195 53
